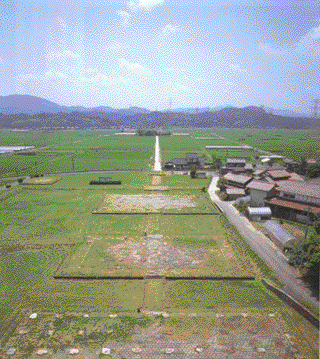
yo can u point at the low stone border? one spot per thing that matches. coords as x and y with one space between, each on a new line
292 303
152 277
160 213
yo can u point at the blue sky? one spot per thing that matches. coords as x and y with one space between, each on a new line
151 53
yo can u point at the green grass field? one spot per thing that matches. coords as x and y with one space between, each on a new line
48 230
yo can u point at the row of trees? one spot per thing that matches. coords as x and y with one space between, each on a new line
306 256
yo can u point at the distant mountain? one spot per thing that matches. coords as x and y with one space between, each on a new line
286 113
23 111
14 104
199 110
27 104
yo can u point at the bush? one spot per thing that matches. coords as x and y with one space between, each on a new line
224 197
8 185
193 172
20 180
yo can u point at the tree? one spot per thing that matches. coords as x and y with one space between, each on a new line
302 166
316 222
193 172
313 170
306 257
216 162
222 183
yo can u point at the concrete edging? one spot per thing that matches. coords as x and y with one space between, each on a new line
292 303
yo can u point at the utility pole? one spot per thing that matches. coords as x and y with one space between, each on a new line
316 108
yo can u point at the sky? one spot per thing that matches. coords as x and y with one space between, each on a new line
162 54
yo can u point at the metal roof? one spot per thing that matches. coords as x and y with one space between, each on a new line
260 186
301 188
245 199
180 161
294 205
259 210
278 231
235 191
235 160
278 174
237 178
192 155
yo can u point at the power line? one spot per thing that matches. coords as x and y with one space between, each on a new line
316 108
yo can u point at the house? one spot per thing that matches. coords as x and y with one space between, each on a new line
259 213
235 162
278 175
201 175
238 171
240 181
259 191
193 159
168 165
291 165
180 164
248 168
295 199
234 193
184 164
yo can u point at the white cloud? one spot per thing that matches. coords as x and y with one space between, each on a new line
169 29
116 46
63 54
62 23
269 49
125 17
91 70
308 41
103 80
121 81
99 79
1 60
144 4
135 68
237 68
56 74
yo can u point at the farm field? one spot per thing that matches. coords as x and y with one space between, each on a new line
195 246
49 230
138 202
104 151
288 143
192 317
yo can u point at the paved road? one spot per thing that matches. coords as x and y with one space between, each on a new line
265 249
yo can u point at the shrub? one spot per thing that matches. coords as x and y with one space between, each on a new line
20 180
224 196
8 185
193 172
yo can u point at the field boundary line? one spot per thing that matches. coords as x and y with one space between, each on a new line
292 303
